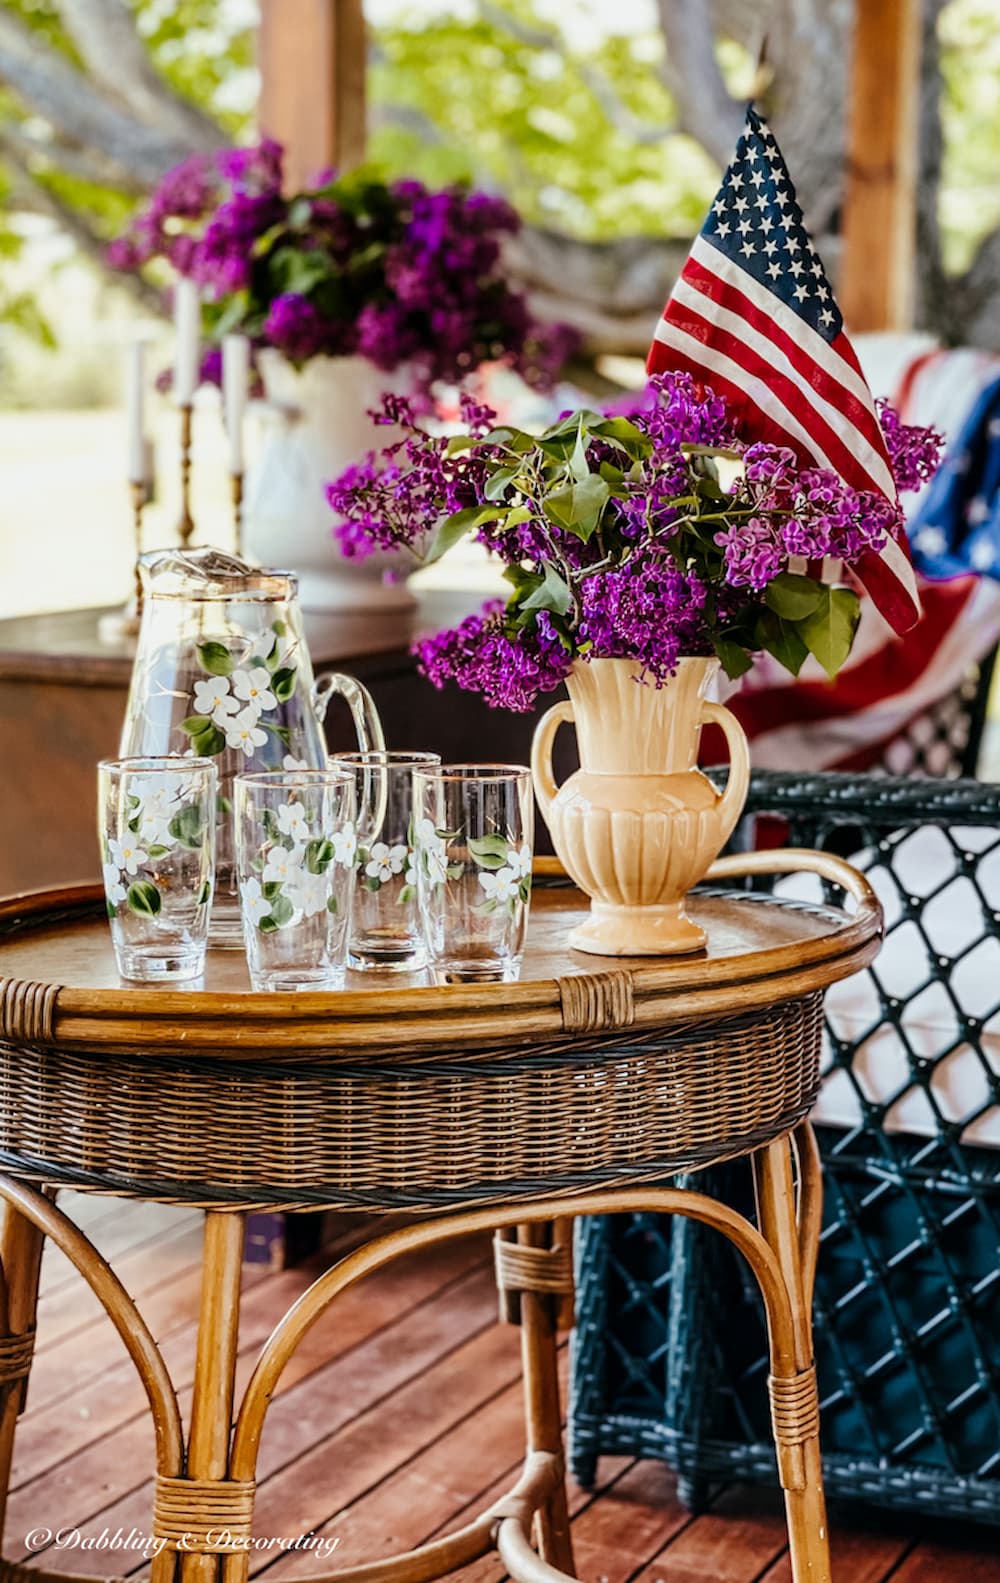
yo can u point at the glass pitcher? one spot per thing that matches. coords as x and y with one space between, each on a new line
222 671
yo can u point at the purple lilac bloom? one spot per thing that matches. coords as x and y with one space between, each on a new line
648 610
753 553
914 452
224 256
480 657
256 169
296 327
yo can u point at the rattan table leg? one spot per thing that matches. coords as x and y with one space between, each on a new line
543 1418
790 1229
214 1388
20 1259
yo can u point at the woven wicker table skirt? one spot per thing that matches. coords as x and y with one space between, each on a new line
423 1134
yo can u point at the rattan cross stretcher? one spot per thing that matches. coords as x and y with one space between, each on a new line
512 1107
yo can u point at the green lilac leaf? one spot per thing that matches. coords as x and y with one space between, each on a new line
499 482
455 870
144 898
735 659
459 443
205 894
267 924
454 528
279 627
553 593
792 597
782 640
271 888
829 632
112 910
577 508
624 433
157 850
282 910
332 904
215 658
406 894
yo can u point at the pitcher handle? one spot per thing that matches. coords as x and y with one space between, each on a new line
735 794
374 788
367 725
541 753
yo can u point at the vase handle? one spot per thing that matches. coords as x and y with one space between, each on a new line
541 753
735 794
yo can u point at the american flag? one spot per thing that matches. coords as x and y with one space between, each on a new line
753 315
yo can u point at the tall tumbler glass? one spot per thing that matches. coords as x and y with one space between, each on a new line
157 832
473 832
386 933
295 849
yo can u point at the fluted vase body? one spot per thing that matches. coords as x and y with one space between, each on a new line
638 824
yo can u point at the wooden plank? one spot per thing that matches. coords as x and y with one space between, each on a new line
115 1234
733 1543
312 95
411 1492
303 1415
964 1561
875 286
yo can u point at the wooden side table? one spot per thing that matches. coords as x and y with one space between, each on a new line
577 1091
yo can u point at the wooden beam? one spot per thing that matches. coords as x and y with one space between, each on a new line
312 96
879 215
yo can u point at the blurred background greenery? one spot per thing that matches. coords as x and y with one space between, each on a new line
593 116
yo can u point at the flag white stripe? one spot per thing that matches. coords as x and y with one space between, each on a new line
771 352
898 563
759 392
819 350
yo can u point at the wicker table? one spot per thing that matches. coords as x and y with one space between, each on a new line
512 1107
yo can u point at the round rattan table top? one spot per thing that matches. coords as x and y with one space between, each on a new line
59 986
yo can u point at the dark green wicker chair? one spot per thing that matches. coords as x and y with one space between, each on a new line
669 1356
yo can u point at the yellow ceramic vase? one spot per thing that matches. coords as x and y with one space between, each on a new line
638 824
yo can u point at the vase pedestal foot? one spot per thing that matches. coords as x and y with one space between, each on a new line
638 931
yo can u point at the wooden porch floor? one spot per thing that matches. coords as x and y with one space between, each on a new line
398 1418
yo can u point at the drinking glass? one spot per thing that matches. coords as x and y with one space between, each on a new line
295 854
156 824
386 932
473 828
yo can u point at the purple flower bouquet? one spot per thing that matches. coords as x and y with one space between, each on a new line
393 273
649 535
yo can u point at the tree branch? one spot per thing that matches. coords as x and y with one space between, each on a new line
691 73
85 164
58 91
35 196
109 45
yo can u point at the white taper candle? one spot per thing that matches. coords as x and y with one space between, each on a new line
187 327
235 388
135 411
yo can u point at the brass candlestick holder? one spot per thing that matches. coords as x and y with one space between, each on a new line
120 624
185 524
236 484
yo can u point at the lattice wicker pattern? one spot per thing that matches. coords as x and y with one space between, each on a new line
432 1131
670 1358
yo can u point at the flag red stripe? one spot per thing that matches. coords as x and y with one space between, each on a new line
855 414
826 440
663 357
